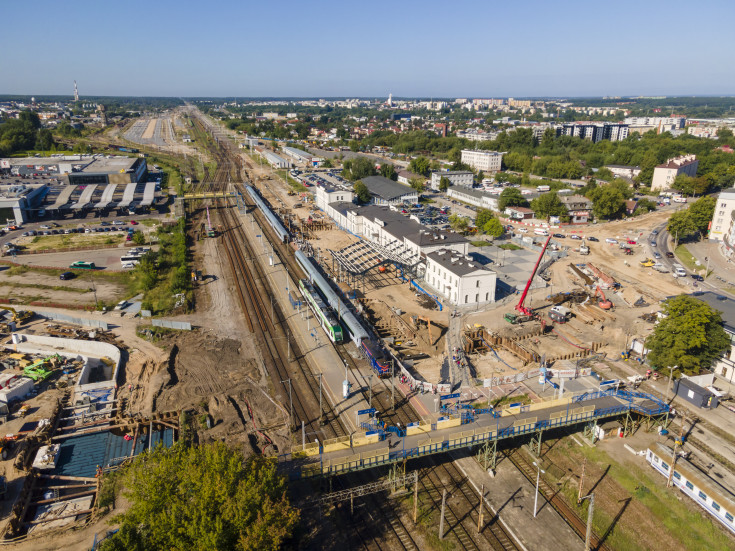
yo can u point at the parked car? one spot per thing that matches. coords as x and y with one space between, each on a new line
133 223
122 304
67 275
117 222
592 239
611 240
559 235
697 277
656 255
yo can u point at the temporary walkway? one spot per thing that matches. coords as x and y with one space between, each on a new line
107 195
128 196
86 198
466 428
63 197
149 194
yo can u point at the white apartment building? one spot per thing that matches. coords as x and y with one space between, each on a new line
324 196
665 174
722 217
455 177
487 161
622 171
676 122
460 279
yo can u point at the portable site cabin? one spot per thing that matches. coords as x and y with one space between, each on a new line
695 394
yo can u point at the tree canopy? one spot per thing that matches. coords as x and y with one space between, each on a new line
387 170
419 165
690 335
548 204
203 497
361 192
444 184
358 168
493 227
694 221
511 197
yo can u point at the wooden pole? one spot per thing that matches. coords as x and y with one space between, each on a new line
581 482
441 520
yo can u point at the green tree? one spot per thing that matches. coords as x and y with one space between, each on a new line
458 223
361 192
354 145
511 197
689 335
608 203
203 497
493 227
387 170
480 176
483 217
358 168
138 237
419 165
327 163
417 184
681 226
548 204
685 184
444 184
645 205
702 211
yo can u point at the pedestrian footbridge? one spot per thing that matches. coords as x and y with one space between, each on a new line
463 426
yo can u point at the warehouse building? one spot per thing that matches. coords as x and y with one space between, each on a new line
276 161
20 200
301 156
79 169
387 192
455 177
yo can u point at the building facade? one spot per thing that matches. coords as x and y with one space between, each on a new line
455 177
594 131
387 192
722 219
621 171
473 197
324 196
487 161
665 174
460 279
579 208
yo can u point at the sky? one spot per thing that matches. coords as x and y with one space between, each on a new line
325 48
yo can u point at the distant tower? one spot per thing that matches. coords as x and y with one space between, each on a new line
103 115
390 100
76 92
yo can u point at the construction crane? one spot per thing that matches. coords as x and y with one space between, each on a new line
604 303
524 313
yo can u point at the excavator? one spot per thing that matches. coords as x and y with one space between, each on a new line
524 313
604 303
19 316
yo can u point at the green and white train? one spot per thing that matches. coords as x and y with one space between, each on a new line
323 313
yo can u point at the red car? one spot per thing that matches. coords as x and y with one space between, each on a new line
631 242
133 223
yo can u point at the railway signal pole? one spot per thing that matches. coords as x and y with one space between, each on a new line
321 415
441 520
590 511
538 477
370 384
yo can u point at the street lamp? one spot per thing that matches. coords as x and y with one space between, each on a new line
538 476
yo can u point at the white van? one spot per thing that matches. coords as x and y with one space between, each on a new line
679 270
541 231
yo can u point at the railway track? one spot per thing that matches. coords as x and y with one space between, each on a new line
571 517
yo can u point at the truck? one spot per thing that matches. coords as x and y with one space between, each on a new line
560 314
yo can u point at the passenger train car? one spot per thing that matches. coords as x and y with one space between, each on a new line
323 313
709 495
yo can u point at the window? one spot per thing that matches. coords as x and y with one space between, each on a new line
722 213
677 476
702 496
655 459
664 466
689 485
487 297
477 298
465 299
715 506
728 517
477 283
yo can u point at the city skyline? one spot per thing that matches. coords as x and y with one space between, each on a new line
334 50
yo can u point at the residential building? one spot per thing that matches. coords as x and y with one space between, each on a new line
387 192
455 177
579 208
725 366
460 279
474 197
665 174
722 218
674 121
594 131
621 171
487 161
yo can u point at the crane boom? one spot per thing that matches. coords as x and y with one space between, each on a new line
520 307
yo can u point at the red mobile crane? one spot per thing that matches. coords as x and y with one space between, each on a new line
524 313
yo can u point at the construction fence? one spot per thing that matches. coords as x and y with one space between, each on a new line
85 322
170 324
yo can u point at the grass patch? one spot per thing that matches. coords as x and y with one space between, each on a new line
480 243
295 185
155 334
510 247
44 242
43 287
686 258
505 400
149 222
426 200
686 525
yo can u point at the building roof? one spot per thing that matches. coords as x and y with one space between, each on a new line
623 166
457 264
453 172
386 189
723 304
479 194
571 199
524 210
410 175
679 162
